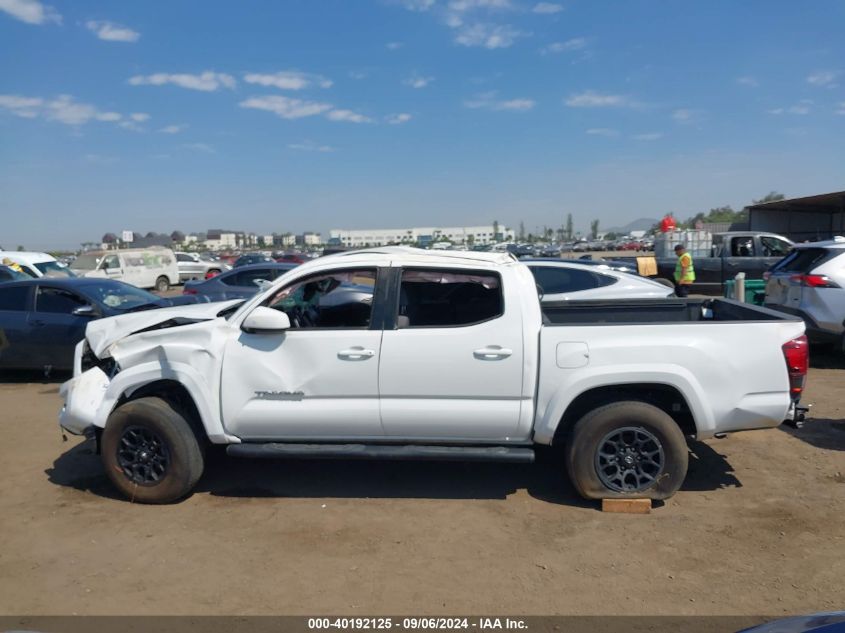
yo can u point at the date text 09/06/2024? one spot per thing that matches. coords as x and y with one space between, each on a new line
411 623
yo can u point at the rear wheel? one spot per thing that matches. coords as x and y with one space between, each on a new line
626 449
150 451
162 284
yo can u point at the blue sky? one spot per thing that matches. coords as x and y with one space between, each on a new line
292 115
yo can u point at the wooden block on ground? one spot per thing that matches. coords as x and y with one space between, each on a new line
626 506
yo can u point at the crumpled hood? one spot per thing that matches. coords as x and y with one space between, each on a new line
102 333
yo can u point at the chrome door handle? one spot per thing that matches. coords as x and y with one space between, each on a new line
492 352
356 353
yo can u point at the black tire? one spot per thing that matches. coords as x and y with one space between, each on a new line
664 281
604 429
150 452
162 284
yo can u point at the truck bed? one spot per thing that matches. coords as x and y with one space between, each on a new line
655 311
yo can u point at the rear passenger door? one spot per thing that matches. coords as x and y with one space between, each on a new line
54 326
15 337
452 362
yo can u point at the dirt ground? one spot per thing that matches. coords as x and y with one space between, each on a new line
757 529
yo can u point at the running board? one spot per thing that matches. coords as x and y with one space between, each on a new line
403 452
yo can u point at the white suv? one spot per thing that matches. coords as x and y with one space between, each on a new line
810 283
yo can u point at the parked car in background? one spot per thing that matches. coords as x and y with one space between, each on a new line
192 266
810 283
239 283
10 274
561 280
252 258
291 258
153 267
43 319
609 264
37 264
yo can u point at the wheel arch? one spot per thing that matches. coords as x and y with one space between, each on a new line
668 398
177 385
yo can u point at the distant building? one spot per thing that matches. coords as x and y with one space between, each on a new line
309 239
419 235
219 240
283 241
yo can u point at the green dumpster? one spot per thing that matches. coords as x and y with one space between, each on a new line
755 290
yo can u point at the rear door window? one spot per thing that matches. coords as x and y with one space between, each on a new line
803 260
57 301
557 279
15 299
448 298
774 247
742 246
249 277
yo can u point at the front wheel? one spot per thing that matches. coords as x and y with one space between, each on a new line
627 449
162 284
150 451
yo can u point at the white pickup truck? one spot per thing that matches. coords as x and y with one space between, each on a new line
399 353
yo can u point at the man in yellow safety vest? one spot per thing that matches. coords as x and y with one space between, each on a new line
684 271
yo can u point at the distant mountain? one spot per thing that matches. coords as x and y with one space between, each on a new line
643 224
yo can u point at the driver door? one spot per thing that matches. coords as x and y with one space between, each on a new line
316 380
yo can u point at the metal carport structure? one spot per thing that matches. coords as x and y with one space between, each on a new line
810 218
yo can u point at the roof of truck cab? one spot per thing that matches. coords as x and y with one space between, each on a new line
427 256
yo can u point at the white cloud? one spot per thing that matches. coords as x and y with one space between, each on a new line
30 11
648 136
348 116
172 129
394 46
575 44
26 107
205 148
686 116
801 108
547 8
417 5
311 146
208 81
398 119
602 131
490 36
490 101
593 99
65 109
288 80
417 81
841 108
823 78
140 117
462 6
357 74
751 82
286 107
112 32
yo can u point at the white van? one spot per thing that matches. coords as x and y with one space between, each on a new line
153 267
37 264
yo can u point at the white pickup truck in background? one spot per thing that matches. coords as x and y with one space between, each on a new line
399 353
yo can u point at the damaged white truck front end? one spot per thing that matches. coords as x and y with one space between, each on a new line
123 354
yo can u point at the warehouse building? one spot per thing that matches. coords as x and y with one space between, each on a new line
807 219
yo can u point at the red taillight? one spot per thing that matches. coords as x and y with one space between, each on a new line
211 273
797 355
815 281
189 291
